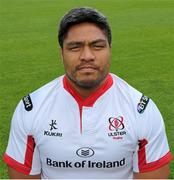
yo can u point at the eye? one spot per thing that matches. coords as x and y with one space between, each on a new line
99 46
74 48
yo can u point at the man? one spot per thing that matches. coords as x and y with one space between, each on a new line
87 123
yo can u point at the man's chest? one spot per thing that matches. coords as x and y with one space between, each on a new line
99 137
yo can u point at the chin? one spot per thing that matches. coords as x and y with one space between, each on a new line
88 83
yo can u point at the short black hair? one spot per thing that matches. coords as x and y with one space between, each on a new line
80 15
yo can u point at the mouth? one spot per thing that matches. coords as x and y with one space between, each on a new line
87 68
92 67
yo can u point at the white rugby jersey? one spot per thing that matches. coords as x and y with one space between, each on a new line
109 135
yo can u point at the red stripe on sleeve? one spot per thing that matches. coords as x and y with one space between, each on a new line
142 162
26 167
16 165
29 152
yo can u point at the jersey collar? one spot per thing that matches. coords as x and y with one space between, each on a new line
91 99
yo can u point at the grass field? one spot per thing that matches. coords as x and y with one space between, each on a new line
143 51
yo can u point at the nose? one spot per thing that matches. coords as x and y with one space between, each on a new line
87 54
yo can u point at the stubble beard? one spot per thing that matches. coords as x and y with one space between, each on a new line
88 84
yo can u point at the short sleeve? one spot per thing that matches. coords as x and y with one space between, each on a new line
22 153
152 150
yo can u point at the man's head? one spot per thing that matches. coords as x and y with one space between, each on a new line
81 15
85 40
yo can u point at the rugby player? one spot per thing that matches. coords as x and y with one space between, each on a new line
88 123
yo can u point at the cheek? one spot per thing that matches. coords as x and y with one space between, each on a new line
69 63
104 60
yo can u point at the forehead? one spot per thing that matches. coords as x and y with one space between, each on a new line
85 32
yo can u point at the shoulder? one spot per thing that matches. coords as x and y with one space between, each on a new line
128 93
34 103
140 104
44 93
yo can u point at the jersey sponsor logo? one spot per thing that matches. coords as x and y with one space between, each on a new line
86 164
142 104
116 128
53 129
53 125
85 152
48 133
27 103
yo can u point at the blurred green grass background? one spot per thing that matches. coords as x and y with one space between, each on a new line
142 51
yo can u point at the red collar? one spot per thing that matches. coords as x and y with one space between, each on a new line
91 99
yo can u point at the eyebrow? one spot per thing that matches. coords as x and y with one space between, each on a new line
77 43
98 41
72 43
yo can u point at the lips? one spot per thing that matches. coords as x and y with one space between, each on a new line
87 67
